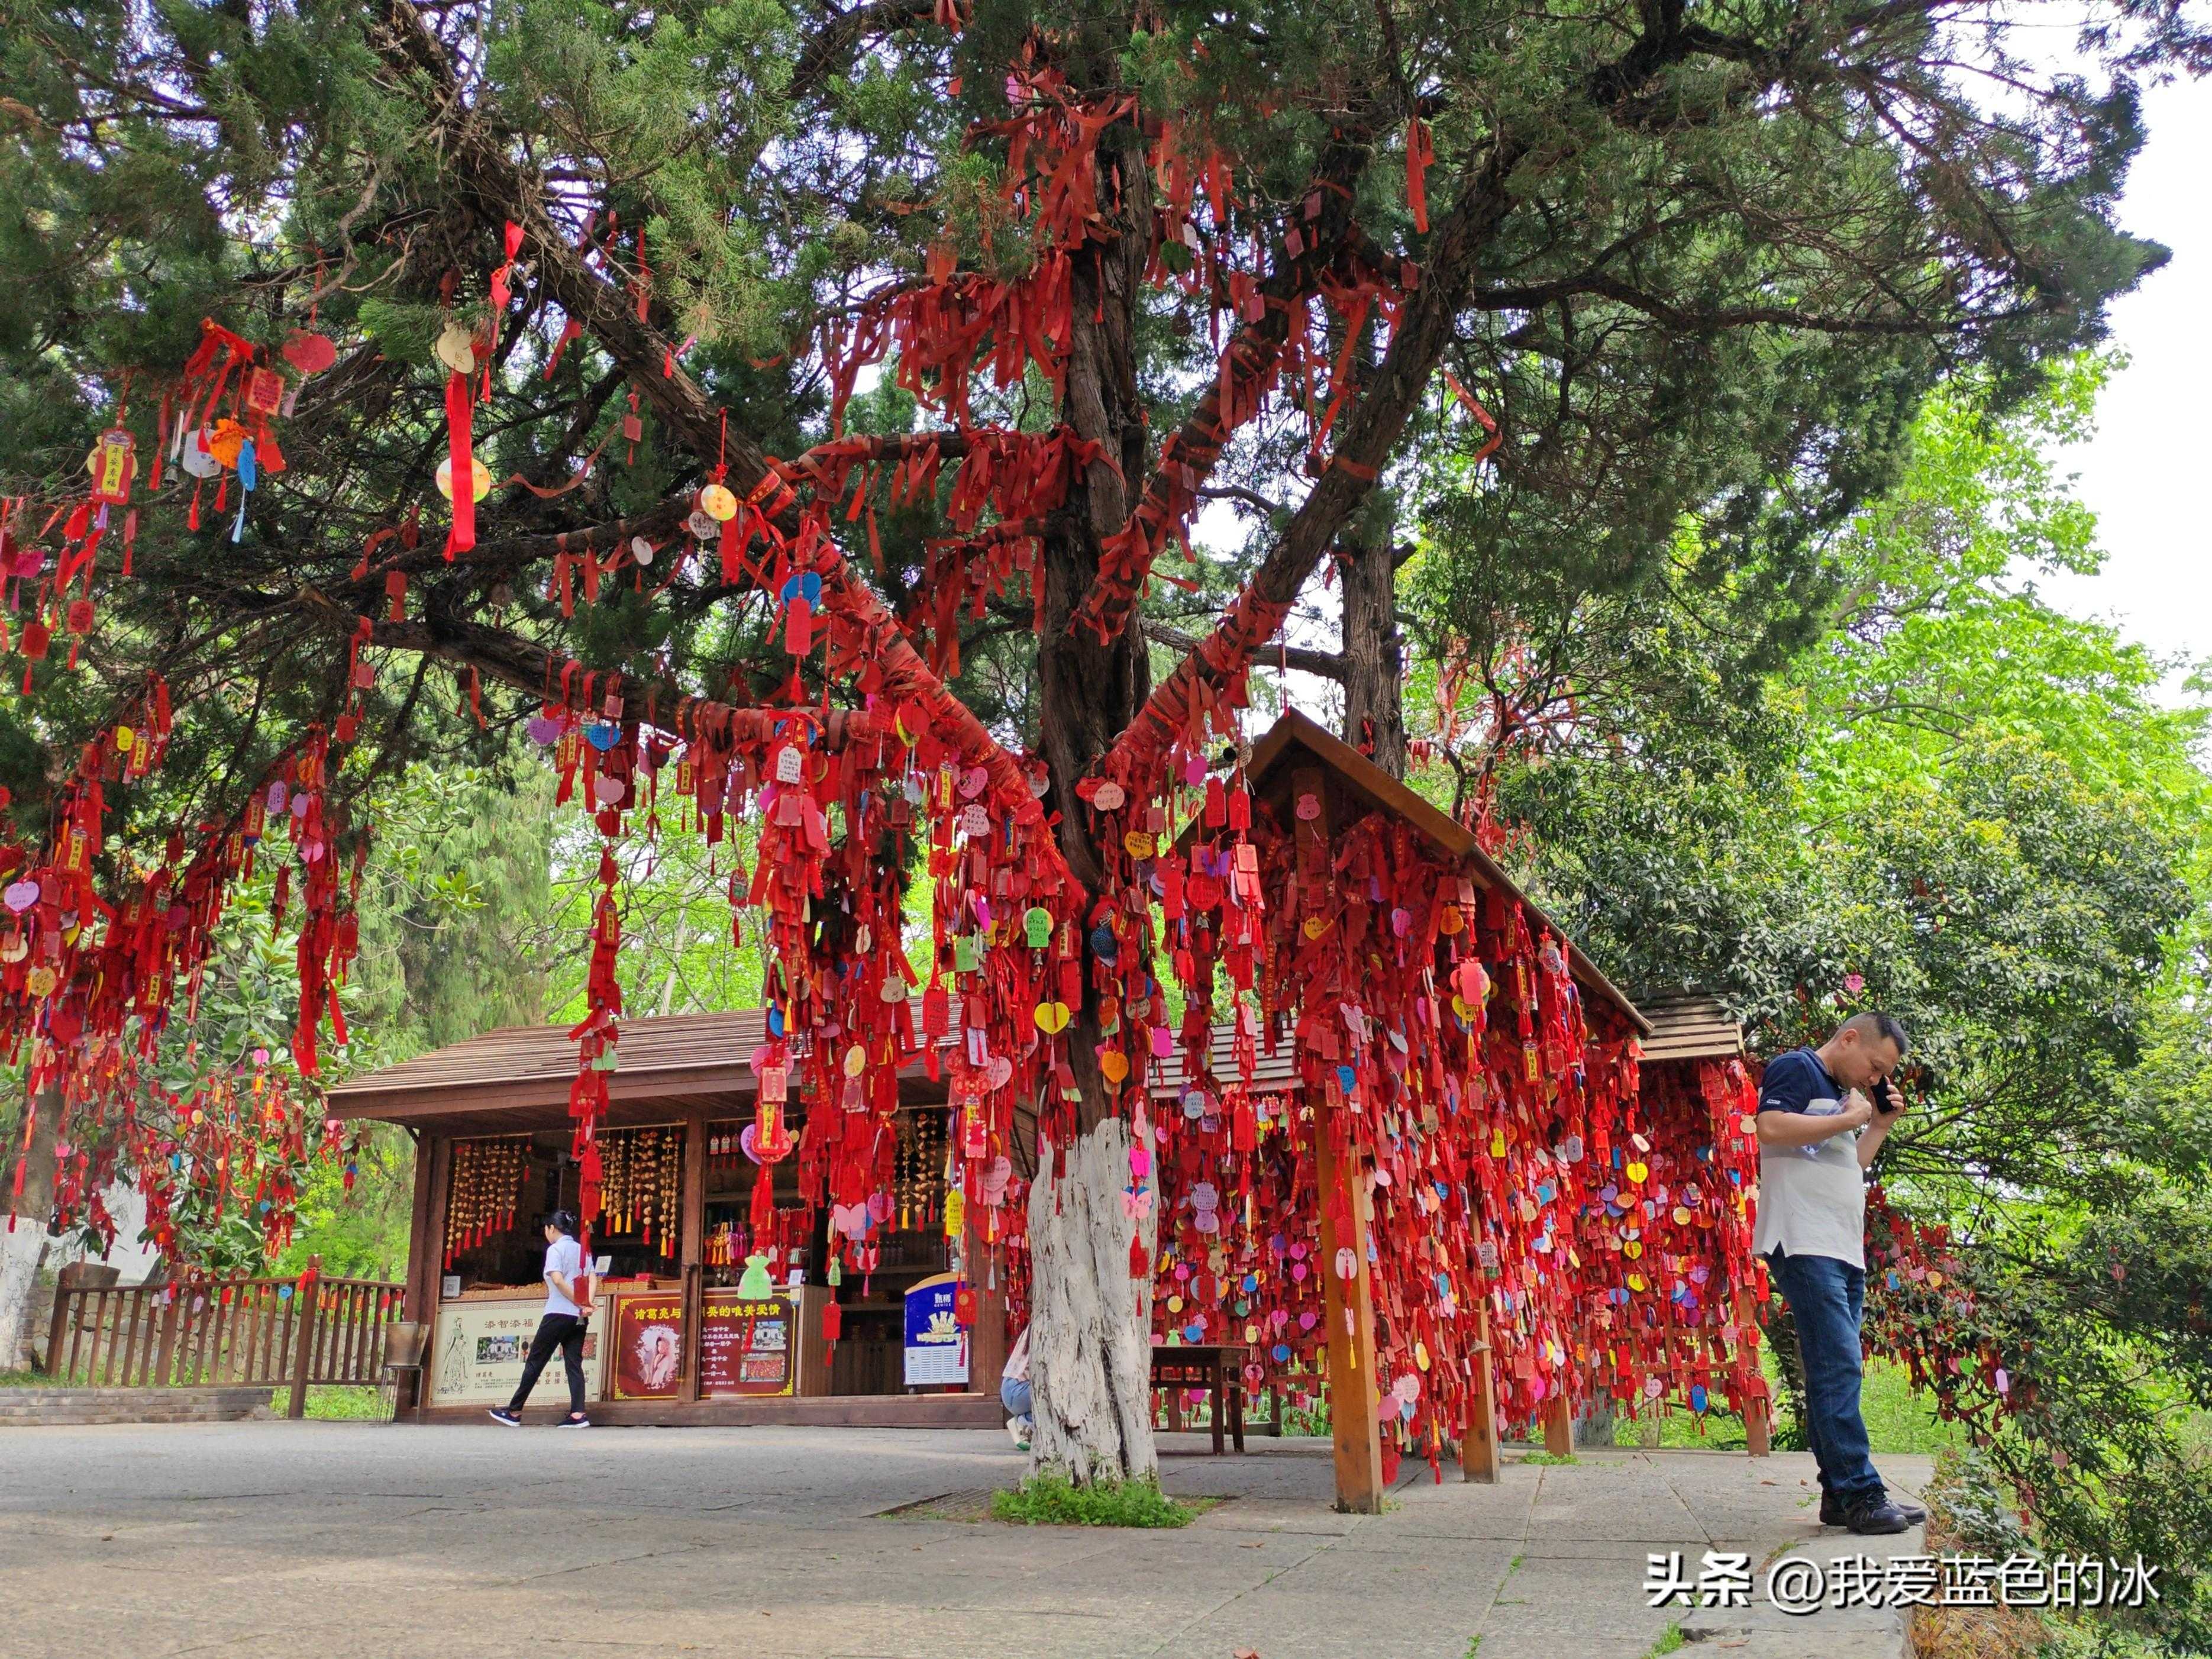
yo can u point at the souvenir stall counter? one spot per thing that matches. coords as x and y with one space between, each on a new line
703 1314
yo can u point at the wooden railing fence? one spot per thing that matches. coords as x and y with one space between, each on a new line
201 1332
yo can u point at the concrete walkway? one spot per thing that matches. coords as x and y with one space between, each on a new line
342 1540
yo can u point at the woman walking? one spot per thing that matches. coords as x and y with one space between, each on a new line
562 1327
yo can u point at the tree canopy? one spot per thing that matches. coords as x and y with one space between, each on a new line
930 324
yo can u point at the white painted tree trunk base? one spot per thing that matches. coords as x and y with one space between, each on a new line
1090 1324
20 1252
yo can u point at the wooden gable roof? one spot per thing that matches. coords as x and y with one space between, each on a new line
1296 740
1690 1025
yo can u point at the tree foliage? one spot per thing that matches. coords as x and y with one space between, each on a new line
1984 816
1699 262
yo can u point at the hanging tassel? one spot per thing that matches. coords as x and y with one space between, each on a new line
460 455
1420 151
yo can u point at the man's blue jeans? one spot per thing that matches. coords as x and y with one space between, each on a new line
1827 1297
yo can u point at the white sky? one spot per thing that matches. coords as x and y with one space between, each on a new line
2147 472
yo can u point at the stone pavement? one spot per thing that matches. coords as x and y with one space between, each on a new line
279 1540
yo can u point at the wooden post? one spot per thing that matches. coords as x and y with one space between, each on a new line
304 1304
692 1237
164 1357
1479 1457
418 1299
1348 1304
988 1343
54 1330
1560 1424
1353 1409
1757 1415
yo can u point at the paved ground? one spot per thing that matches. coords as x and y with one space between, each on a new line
342 1540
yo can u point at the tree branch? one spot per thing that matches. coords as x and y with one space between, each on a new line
1302 658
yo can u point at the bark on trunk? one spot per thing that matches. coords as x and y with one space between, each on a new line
1374 703
23 1246
1090 1324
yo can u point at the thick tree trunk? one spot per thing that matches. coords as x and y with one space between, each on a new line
23 1246
1091 1326
1090 1321
1374 703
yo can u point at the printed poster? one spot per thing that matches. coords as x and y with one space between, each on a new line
935 1347
477 1355
648 1334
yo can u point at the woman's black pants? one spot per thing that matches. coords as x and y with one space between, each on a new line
566 1333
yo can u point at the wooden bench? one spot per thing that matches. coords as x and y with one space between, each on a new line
1219 1369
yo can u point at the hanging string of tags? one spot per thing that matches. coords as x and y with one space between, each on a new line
1441 1047
241 1139
641 1183
485 1190
838 799
87 980
1669 1235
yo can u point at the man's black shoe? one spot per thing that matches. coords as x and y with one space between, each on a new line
1833 1514
1882 1517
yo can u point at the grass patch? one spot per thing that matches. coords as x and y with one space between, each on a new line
25 1379
1549 1460
1669 1640
1050 1499
1896 1419
336 1404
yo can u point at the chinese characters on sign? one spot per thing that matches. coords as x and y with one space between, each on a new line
648 1338
746 1347
1799 1584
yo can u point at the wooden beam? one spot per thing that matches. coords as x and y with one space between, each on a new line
1560 1424
692 1236
1757 1415
1478 1458
988 1342
1349 1307
421 1303
1348 1304
434 1245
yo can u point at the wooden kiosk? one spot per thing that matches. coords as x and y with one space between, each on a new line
673 1341
1297 760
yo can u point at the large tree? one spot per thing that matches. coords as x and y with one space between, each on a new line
1696 261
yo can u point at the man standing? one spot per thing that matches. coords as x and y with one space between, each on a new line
1818 1134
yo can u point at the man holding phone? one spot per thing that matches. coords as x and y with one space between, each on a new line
1818 1134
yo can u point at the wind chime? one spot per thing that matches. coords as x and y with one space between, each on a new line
640 1180
486 1190
920 1175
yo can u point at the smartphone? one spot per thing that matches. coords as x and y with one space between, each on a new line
1887 1100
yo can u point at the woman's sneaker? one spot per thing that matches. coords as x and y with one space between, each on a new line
501 1415
574 1422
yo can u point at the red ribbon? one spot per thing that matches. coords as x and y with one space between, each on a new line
461 453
